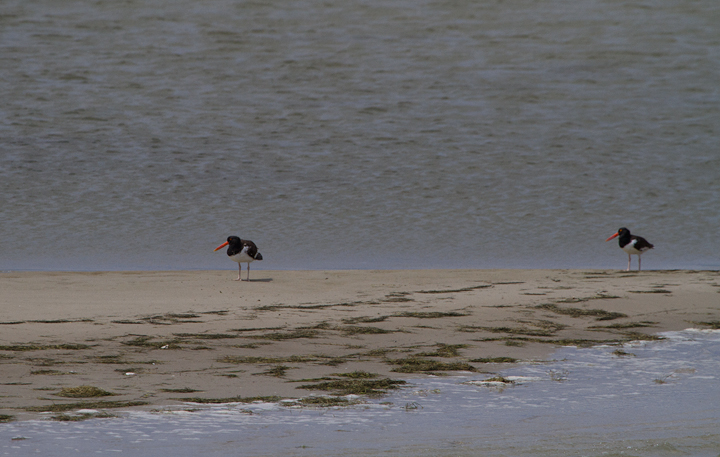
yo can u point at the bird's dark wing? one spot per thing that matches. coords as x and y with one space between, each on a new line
252 250
641 244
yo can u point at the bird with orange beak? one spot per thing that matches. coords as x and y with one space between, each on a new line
241 251
633 245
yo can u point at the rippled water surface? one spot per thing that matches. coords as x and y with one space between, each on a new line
657 399
360 134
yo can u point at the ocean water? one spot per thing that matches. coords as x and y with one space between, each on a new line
360 134
658 400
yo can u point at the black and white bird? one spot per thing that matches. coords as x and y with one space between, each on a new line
241 251
633 245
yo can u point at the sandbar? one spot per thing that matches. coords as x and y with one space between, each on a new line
172 339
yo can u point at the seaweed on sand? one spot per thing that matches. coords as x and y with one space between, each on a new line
83 392
416 364
356 386
598 314
62 407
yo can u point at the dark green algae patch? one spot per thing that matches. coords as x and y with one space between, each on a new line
598 314
357 386
83 392
238 399
339 385
414 364
63 407
43 347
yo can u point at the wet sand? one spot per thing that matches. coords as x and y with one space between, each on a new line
156 339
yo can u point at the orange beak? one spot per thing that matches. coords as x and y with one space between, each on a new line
618 233
222 245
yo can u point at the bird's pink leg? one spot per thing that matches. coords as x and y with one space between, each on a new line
628 268
239 271
639 259
248 278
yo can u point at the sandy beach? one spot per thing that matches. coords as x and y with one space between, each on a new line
160 339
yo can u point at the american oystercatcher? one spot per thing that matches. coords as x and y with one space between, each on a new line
241 251
631 244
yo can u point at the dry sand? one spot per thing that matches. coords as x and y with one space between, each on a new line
156 338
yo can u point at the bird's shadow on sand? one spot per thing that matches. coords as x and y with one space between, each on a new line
259 280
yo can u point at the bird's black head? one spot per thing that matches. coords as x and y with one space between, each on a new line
623 236
234 241
235 245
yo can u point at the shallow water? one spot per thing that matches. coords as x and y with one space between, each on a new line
663 401
365 134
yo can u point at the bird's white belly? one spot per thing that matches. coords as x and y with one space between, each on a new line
241 257
630 248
